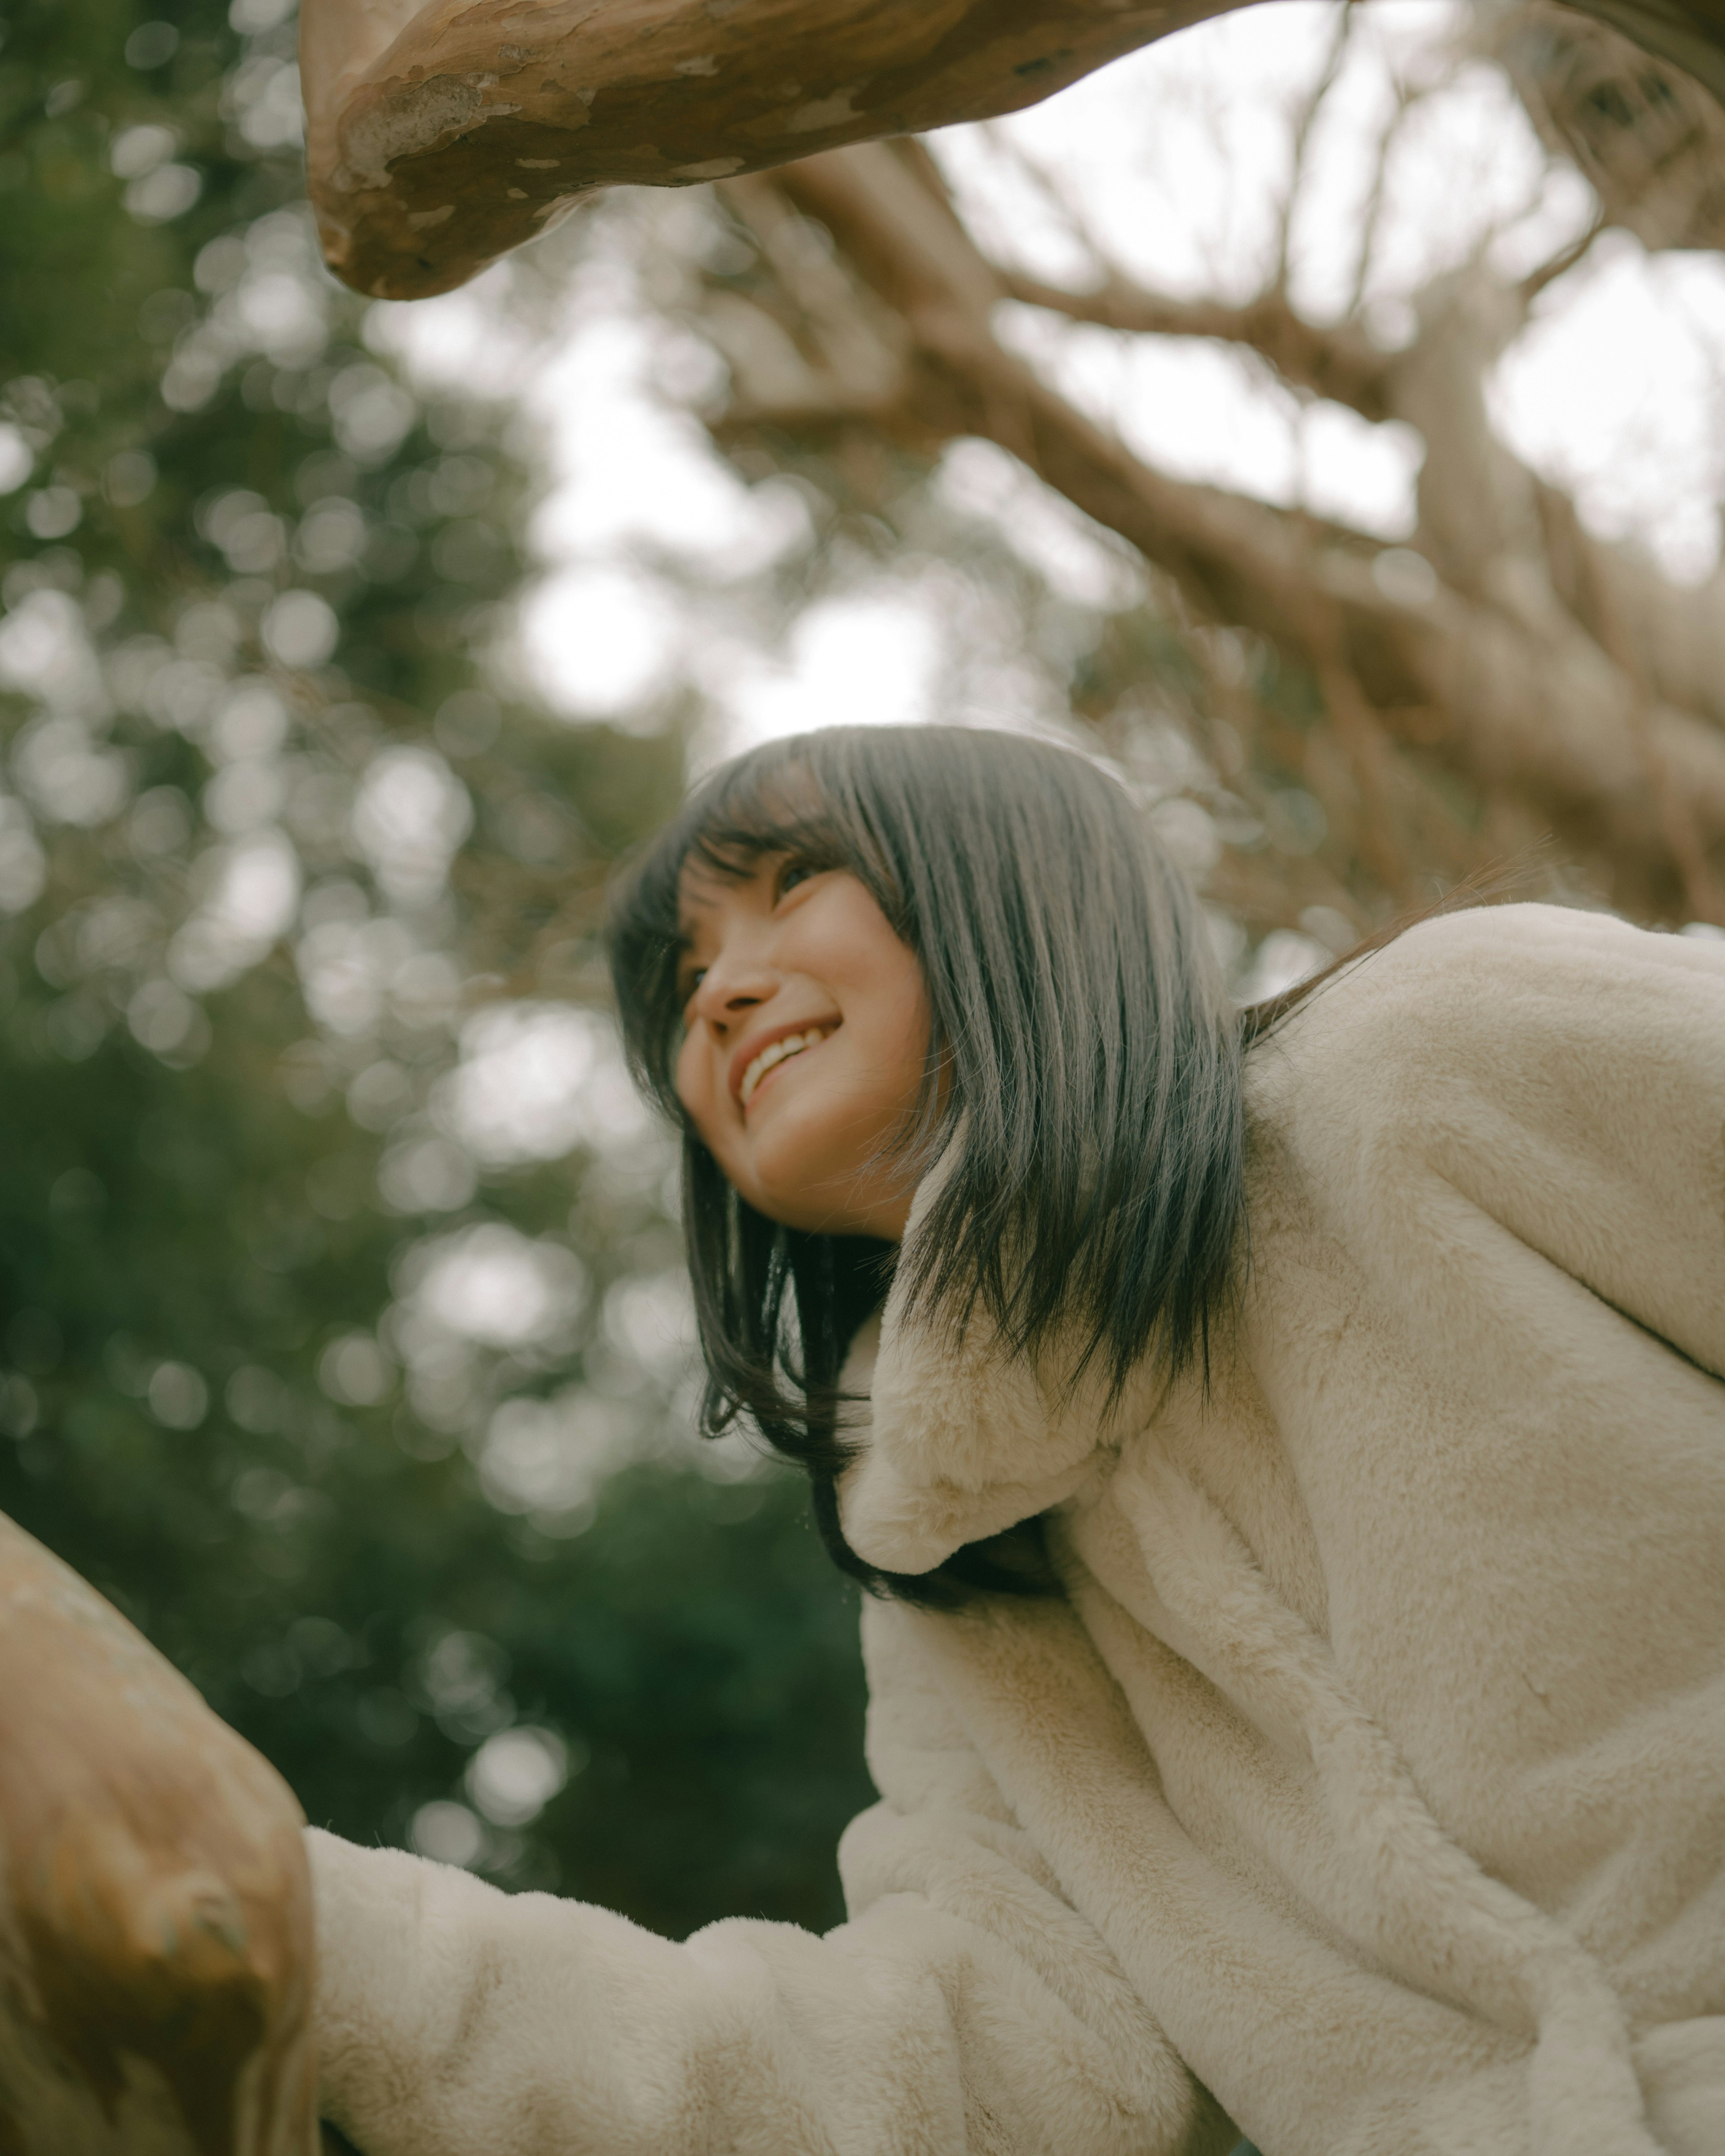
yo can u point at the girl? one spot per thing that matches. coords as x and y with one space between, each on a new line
1288 1455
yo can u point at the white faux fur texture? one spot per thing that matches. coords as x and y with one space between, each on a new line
1368 1784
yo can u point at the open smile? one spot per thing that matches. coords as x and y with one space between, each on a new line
776 1052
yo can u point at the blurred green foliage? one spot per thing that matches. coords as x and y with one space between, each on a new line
366 1407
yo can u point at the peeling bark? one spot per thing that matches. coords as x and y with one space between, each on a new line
441 135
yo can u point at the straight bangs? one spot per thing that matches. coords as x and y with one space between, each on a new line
1090 1132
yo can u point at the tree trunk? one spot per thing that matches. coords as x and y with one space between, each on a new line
156 1934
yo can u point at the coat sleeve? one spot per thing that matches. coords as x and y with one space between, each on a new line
1564 1073
965 2007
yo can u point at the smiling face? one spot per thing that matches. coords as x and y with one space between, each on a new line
807 1029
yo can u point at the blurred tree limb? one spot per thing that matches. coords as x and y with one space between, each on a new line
1565 680
1648 140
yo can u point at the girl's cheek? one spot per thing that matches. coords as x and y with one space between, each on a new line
700 1088
687 1079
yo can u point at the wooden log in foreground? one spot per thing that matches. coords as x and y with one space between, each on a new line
442 133
155 1935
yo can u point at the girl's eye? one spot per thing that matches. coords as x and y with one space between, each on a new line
792 874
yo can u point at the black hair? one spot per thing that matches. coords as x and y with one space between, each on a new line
1091 1129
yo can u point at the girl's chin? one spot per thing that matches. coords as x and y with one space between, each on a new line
797 1200
835 1206
799 1194
804 1165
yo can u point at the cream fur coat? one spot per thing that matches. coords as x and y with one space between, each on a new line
1365 1794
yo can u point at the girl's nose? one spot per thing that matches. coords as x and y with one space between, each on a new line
730 988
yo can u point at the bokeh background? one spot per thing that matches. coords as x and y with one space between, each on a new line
1320 416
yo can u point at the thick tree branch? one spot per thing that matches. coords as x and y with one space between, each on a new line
155 1921
481 121
1648 141
441 135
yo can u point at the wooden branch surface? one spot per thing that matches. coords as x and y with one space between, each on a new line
156 1934
485 118
441 135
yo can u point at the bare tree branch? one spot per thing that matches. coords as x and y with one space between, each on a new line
1560 263
1407 97
1341 363
1497 672
1305 117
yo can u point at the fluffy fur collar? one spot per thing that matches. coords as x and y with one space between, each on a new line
958 1442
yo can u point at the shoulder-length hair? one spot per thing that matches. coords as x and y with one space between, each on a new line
1081 1086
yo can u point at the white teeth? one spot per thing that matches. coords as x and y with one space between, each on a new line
776 1051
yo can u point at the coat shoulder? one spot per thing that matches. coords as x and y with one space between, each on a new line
1453 989
1486 1005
